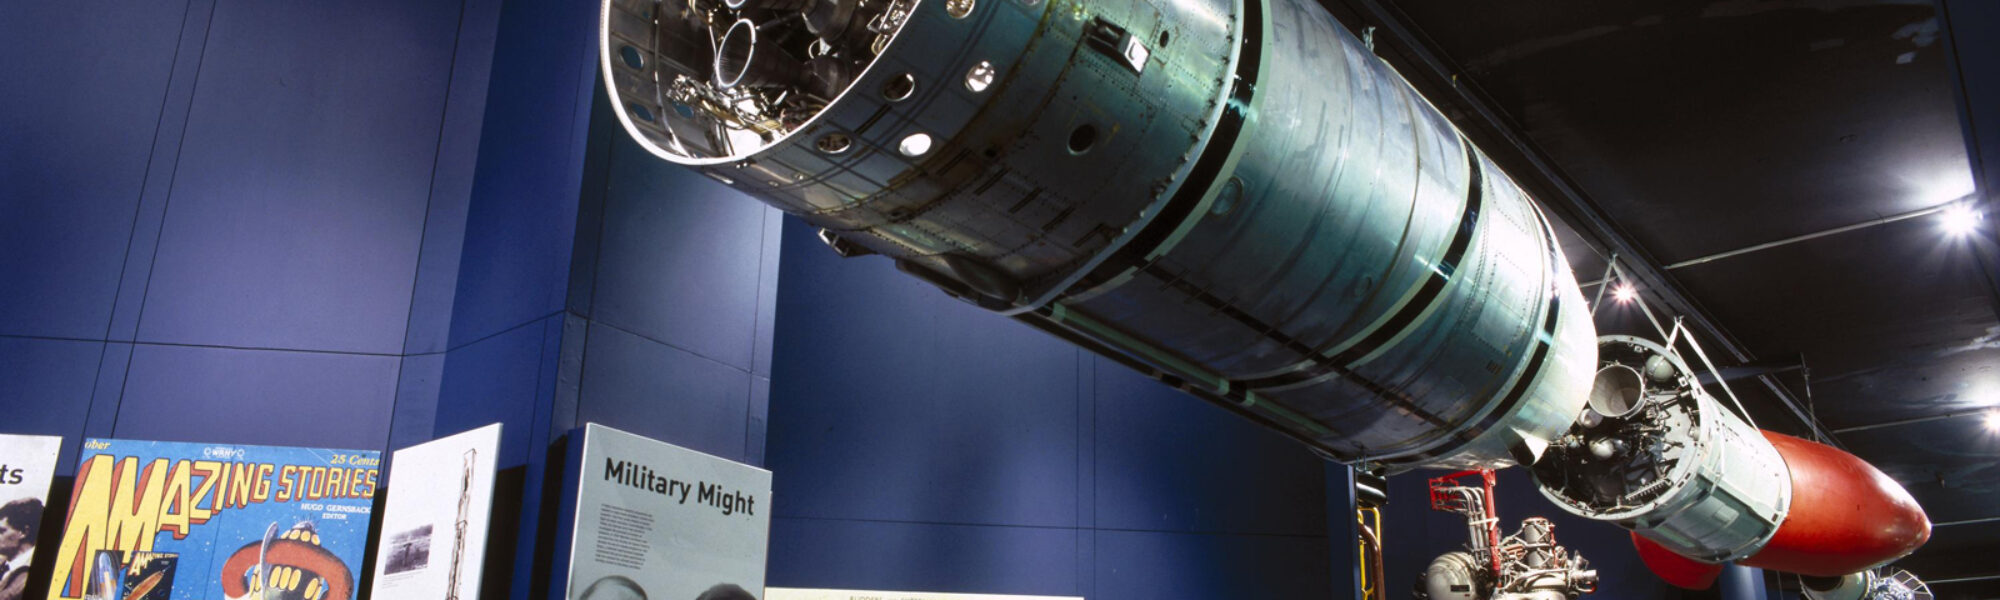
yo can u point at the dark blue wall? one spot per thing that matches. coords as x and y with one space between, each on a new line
596 284
231 222
920 443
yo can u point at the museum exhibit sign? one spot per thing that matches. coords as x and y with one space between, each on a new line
435 520
187 521
27 464
648 519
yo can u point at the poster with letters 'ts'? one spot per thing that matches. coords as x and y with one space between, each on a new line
27 465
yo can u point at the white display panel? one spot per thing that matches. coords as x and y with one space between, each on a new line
27 465
435 521
655 520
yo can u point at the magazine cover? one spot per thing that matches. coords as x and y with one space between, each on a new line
27 464
655 520
186 521
434 521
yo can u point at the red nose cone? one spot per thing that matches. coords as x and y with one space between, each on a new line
1673 568
1846 516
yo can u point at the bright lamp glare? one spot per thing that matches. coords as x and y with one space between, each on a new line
1993 421
1624 293
1959 220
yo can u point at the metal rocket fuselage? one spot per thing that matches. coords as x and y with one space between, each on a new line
1234 196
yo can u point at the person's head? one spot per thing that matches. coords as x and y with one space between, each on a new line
613 587
726 591
20 521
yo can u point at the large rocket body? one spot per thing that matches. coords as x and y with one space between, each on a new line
1234 196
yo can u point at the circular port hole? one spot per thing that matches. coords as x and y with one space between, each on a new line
639 112
834 143
734 53
1082 138
958 9
917 144
980 77
1164 37
1227 198
632 57
900 87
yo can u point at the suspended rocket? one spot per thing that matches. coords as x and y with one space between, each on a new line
1233 196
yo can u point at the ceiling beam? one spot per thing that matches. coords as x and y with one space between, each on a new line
1965 522
1912 421
1415 56
1962 579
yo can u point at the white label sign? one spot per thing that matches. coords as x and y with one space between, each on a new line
27 465
655 520
435 520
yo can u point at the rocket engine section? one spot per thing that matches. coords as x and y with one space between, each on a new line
1234 196
1869 585
1698 486
1528 565
1657 454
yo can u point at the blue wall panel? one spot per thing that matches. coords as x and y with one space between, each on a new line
45 387
767 294
452 179
1143 565
679 257
299 202
950 414
878 555
659 391
970 453
85 84
520 228
1169 462
192 394
496 379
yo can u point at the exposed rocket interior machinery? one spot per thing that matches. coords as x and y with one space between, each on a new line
1528 565
1238 198
1879 584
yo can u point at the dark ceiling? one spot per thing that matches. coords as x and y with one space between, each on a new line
1699 128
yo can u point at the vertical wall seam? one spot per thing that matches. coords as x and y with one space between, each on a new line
603 211
423 233
138 208
582 358
430 195
166 206
138 204
750 394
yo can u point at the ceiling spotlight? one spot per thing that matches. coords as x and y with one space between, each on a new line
1624 293
1960 219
